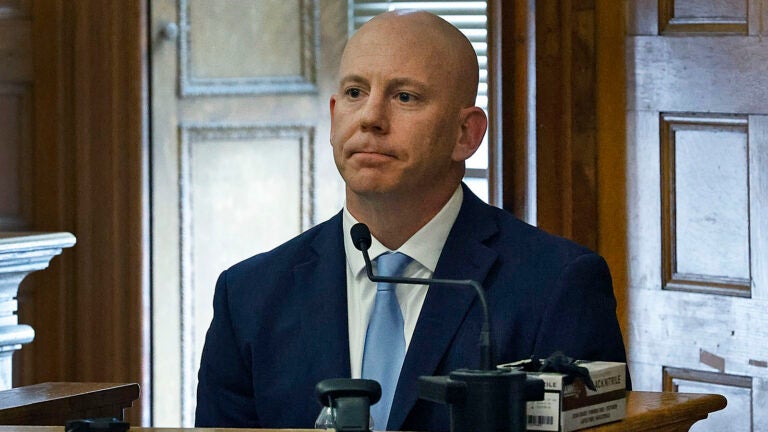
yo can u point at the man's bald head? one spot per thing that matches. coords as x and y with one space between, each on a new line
420 33
404 120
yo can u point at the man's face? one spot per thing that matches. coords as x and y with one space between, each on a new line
395 120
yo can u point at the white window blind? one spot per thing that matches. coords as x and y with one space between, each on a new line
472 19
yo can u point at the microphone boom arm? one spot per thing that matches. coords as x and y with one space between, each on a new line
485 330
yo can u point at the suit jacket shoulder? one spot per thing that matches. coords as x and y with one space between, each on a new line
544 289
545 294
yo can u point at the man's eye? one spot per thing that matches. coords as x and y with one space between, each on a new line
404 97
353 92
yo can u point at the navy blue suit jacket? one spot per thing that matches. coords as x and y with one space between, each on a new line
280 319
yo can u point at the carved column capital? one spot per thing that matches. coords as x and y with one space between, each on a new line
21 253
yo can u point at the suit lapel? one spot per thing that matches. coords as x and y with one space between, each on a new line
324 308
464 256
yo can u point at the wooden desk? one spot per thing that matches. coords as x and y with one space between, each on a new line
664 412
646 411
55 403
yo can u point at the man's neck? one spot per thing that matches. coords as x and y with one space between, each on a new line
395 219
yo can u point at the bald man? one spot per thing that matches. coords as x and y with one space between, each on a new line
403 123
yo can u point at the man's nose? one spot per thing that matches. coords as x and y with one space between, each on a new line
375 114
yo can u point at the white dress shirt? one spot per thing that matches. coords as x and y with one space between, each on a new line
424 247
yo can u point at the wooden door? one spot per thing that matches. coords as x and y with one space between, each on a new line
697 202
240 156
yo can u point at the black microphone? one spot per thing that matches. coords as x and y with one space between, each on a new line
361 238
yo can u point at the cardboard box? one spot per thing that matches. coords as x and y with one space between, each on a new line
569 407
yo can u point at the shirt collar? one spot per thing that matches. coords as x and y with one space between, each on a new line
425 246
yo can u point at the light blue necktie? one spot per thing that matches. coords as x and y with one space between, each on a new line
385 339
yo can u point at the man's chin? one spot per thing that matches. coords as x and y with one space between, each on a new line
368 190
370 187
370 180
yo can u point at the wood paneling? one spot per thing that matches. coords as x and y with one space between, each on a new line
223 167
15 155
566 142
544 99
695 145
703 16
15 114
212 59
15 47
511 97
704 161
612 150
668 73
53 404
89 177
558 102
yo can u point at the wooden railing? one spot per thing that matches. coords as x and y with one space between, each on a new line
53 404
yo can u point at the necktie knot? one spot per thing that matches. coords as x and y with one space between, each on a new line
392 264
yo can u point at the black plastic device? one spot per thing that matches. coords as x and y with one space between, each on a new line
97 424
484 401
351 400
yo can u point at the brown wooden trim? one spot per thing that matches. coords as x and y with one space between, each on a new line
566 143
90 309
55 403
566 174
45 358
612 219
552 111
664 411
583 125
563 35
512 42
16 94
22 141
669 374
672 279
670 24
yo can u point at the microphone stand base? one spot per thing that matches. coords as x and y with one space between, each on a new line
483 400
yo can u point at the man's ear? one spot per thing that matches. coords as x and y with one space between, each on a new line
473 125
332 106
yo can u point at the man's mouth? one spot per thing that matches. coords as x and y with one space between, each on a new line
371 156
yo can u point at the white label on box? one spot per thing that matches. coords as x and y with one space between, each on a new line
594 415
544 415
